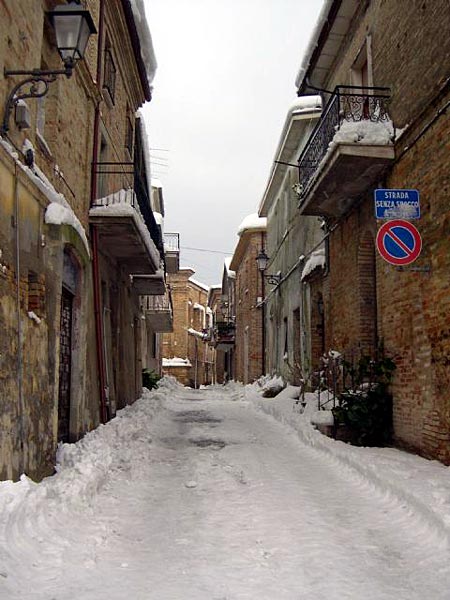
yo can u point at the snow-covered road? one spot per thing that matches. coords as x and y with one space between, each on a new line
206 498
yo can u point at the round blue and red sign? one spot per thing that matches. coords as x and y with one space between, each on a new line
399 242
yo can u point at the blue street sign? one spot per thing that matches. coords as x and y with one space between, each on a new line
397 204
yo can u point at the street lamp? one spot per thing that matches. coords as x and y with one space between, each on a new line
263 260
73 26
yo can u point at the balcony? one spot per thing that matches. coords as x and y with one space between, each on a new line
223 335
124 219
172 252
158 312
348 151
150 285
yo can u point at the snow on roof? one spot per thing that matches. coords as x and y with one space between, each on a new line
316 259
252 222
121 204
176 362
313 41
145 149
145 39
201 285
156 183
227 262
305 104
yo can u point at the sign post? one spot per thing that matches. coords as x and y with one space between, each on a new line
397 204
398 242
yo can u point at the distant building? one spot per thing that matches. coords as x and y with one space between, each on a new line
249 293
294 335
222 303
186 353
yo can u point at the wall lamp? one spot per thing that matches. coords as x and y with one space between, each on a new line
263 260
73 26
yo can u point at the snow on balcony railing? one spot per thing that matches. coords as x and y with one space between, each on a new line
123 203
352 115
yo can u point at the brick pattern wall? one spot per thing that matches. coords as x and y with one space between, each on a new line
408 310
185 295
248 289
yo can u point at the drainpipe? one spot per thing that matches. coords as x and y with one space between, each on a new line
263 316
196 363
94 234
19 329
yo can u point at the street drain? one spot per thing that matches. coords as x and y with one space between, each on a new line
208 443
196 416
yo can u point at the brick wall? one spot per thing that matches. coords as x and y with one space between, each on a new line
248 315
410 310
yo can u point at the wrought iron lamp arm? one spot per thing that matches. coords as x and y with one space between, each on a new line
32 89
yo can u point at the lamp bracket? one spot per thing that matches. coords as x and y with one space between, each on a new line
273 279
36 85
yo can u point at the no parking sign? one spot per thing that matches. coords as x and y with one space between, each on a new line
399 242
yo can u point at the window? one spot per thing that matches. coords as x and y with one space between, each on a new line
109 76
129 136
361 72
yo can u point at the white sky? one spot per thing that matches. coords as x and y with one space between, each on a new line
225 80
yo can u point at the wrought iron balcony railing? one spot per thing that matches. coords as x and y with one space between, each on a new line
128 183
347 104
157 304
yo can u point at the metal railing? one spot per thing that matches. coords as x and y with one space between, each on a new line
338 373
132 191
347 104
162 303
172 242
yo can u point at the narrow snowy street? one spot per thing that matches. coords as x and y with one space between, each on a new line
197 495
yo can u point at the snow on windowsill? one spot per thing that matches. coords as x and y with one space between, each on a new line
317 259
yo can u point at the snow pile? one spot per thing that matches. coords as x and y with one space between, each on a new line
31 513
365 131
269 385
419 485
316 259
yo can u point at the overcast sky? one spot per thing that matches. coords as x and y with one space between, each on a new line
225 80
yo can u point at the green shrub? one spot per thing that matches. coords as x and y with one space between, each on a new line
366 410
150 379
